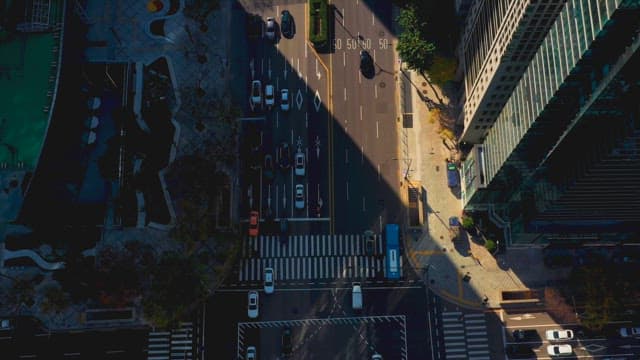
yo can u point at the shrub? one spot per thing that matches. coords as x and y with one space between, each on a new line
318 23
490 245
467 222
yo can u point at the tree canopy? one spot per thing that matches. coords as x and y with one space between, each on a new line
413 47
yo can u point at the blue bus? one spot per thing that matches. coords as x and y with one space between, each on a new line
392 262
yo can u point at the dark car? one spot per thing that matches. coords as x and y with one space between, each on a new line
519 351
366 64
369 242
525 335
452 175
284 230
268 167
286 342
284 156
287 25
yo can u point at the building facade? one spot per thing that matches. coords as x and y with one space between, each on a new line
500 37
563 155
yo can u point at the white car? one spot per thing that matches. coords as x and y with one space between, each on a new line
559 350
559 334
376 357
256 92
251 353
5 324
252 306
270 32
299 196
630 331
284 99
269 98
268 281
300 163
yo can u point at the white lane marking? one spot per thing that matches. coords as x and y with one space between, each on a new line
359 77
375 91
347 190
344 59
374 55
342 16
378 172
360 112
373 20
306 119
346 156
361 154
298 67
377 130
305 51
345 94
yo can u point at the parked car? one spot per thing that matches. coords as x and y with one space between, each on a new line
287 24
251 353
299 167
284 156
252 304
366 64
299 196
369 242
454 227
559 334
559 350
254 223
284 99
630 332
376 357
268 281
256 93
269 96
270 31
525 335
452 175
286 342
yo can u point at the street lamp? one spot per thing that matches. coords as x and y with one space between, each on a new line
408 162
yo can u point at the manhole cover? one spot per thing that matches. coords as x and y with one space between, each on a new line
383 84
424 91
424 83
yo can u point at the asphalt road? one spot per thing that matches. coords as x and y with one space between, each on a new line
116 343
365 147
610 345
393 323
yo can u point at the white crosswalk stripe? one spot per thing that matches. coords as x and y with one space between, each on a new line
305 257
465 336
174 344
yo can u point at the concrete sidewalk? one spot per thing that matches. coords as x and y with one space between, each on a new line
462 271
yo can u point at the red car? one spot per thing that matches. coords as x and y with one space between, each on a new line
254 221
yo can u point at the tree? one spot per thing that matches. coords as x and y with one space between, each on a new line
442 69
413 47
177 284
55 300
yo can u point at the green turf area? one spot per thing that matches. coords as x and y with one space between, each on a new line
24 83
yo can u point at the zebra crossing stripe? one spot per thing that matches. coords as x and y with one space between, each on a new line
454 338
453 331
455 350
474 316
476 346
455 344
452 325
476 340
475 327
479 352
451 313
479 358
457 356
477 333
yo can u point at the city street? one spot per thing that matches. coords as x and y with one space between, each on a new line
393 323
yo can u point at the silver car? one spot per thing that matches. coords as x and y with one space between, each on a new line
268 281
299 163
270 32
252 306
299 196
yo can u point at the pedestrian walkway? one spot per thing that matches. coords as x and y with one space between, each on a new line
465 336
171 345
312 257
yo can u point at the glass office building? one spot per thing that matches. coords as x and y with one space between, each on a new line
563 156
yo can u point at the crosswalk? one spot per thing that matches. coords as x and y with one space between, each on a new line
308 245
171 345
306 257
465 336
